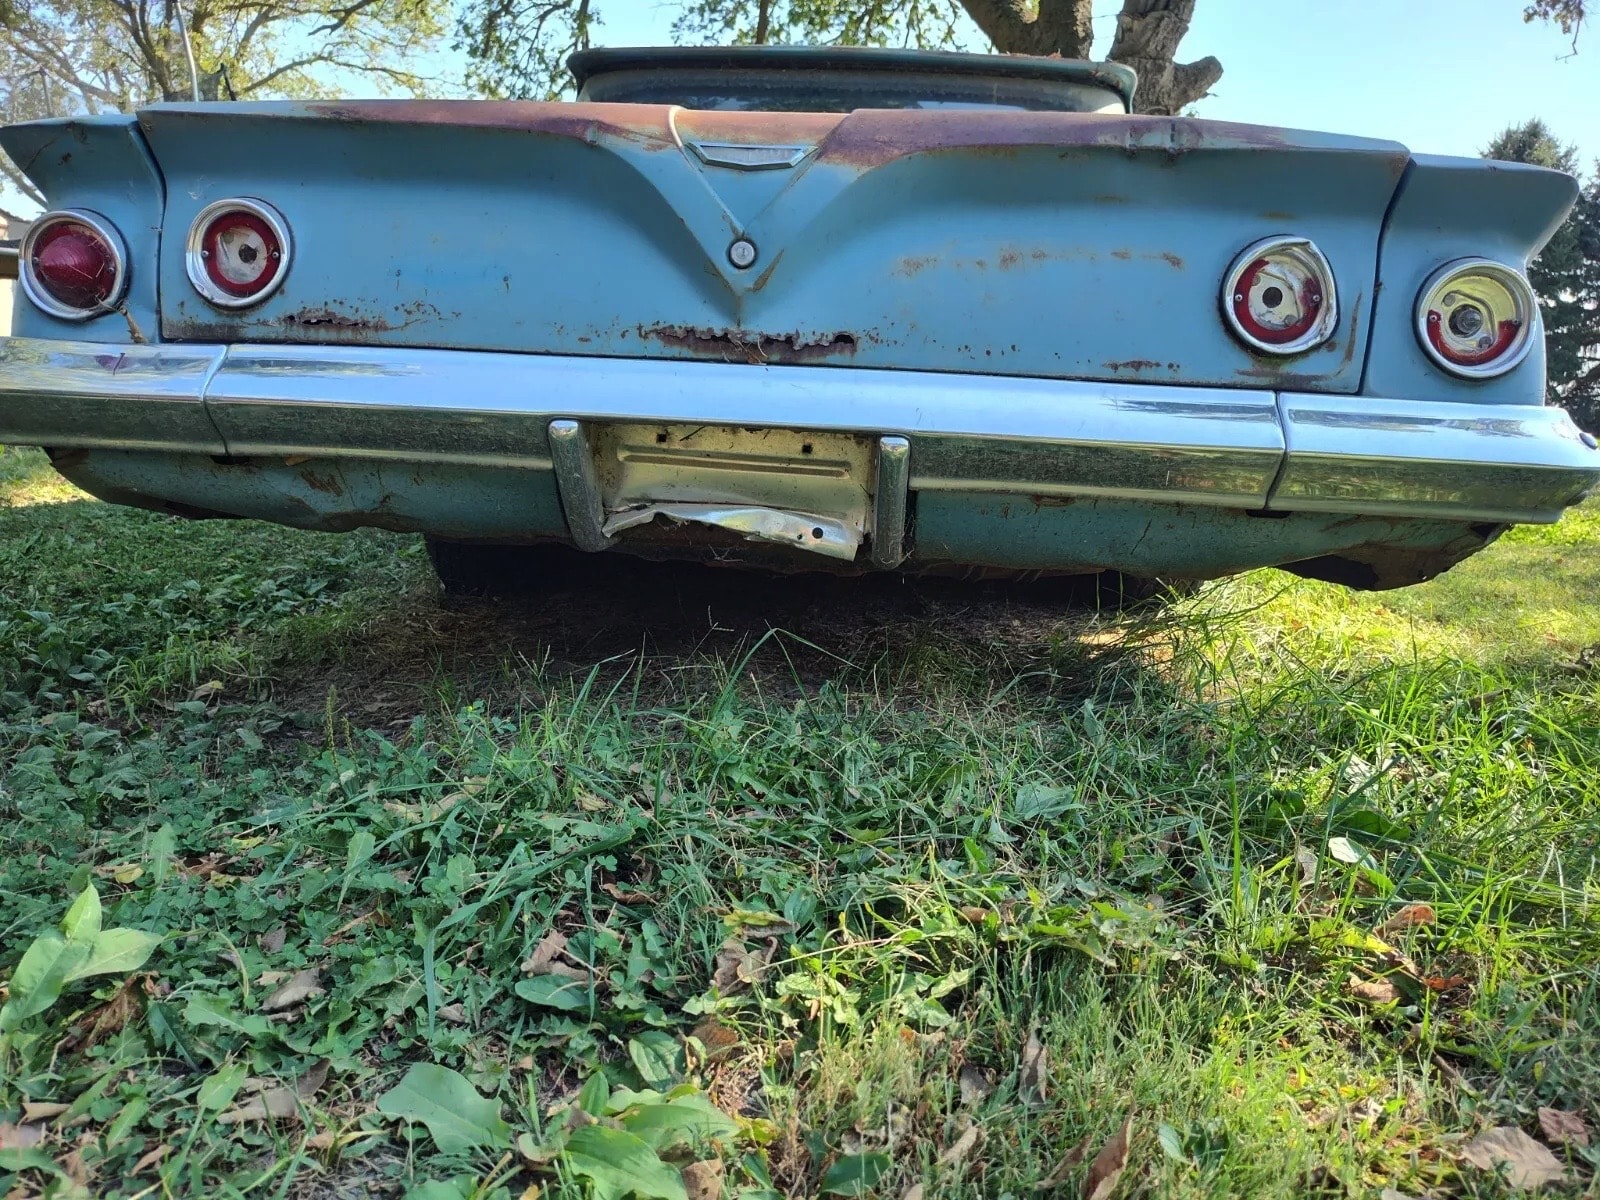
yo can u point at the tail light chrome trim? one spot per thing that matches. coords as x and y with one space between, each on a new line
1476 318
1278 297
34 288
267 234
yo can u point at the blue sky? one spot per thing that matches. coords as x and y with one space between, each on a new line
1442 76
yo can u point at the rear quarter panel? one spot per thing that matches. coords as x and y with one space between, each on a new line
100 164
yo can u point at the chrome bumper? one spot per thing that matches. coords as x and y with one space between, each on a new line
946 433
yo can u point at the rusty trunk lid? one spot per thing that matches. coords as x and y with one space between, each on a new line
1051 244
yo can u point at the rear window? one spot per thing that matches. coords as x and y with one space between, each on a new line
843 91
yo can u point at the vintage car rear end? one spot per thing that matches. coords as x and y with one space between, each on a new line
807 309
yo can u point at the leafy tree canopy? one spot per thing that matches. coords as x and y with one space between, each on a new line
73 56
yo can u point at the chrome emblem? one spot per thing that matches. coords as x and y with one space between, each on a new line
742 157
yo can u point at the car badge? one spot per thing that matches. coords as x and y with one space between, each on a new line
741 156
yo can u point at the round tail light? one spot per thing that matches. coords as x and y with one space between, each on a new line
1279 297
1476 318
73 265
238 252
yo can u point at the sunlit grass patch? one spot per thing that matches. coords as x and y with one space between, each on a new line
26 477
1301 881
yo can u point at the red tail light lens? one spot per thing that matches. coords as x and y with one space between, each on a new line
1476 318
1279 296
238 252
73 265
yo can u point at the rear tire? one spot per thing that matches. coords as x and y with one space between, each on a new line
477 569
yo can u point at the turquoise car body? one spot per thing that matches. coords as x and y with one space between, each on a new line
974 337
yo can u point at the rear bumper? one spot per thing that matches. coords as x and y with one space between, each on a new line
1230 448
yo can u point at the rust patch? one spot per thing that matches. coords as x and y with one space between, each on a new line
871 137
1136 365
327 317
327 484
1009 259
1275 215
323 323
1122 254
1172 260
1355 333
911 266
647 125
745 345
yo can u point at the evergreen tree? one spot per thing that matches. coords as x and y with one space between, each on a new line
1566 275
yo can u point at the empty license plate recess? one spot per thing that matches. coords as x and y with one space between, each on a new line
809 490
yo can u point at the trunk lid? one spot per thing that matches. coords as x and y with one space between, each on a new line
1053 244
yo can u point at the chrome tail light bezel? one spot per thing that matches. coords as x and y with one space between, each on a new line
1303 252
1430 315
34 288
196 255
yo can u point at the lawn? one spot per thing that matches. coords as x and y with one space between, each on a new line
698 885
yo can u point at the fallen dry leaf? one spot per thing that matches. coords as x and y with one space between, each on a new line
1377 991
39 1110
977 1084
453 1014
276 1101
718 1039
1108 1165
272 940
1560 1127
914 1192
1306 859
624 896
297 989
962 1146
550 945
973 915
1412 916
329 1140
1035 1069
20 1137
100 1023
1063 1170
151 1158
120 872
703 1180
738 967
1527 1163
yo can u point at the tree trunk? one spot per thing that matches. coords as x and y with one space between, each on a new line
1148 33
1058 27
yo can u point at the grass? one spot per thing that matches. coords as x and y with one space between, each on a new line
807 882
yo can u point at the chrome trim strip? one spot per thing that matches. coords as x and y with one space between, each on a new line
578 485
889 494
968 432
742 156
1471 462
85 394
964 433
